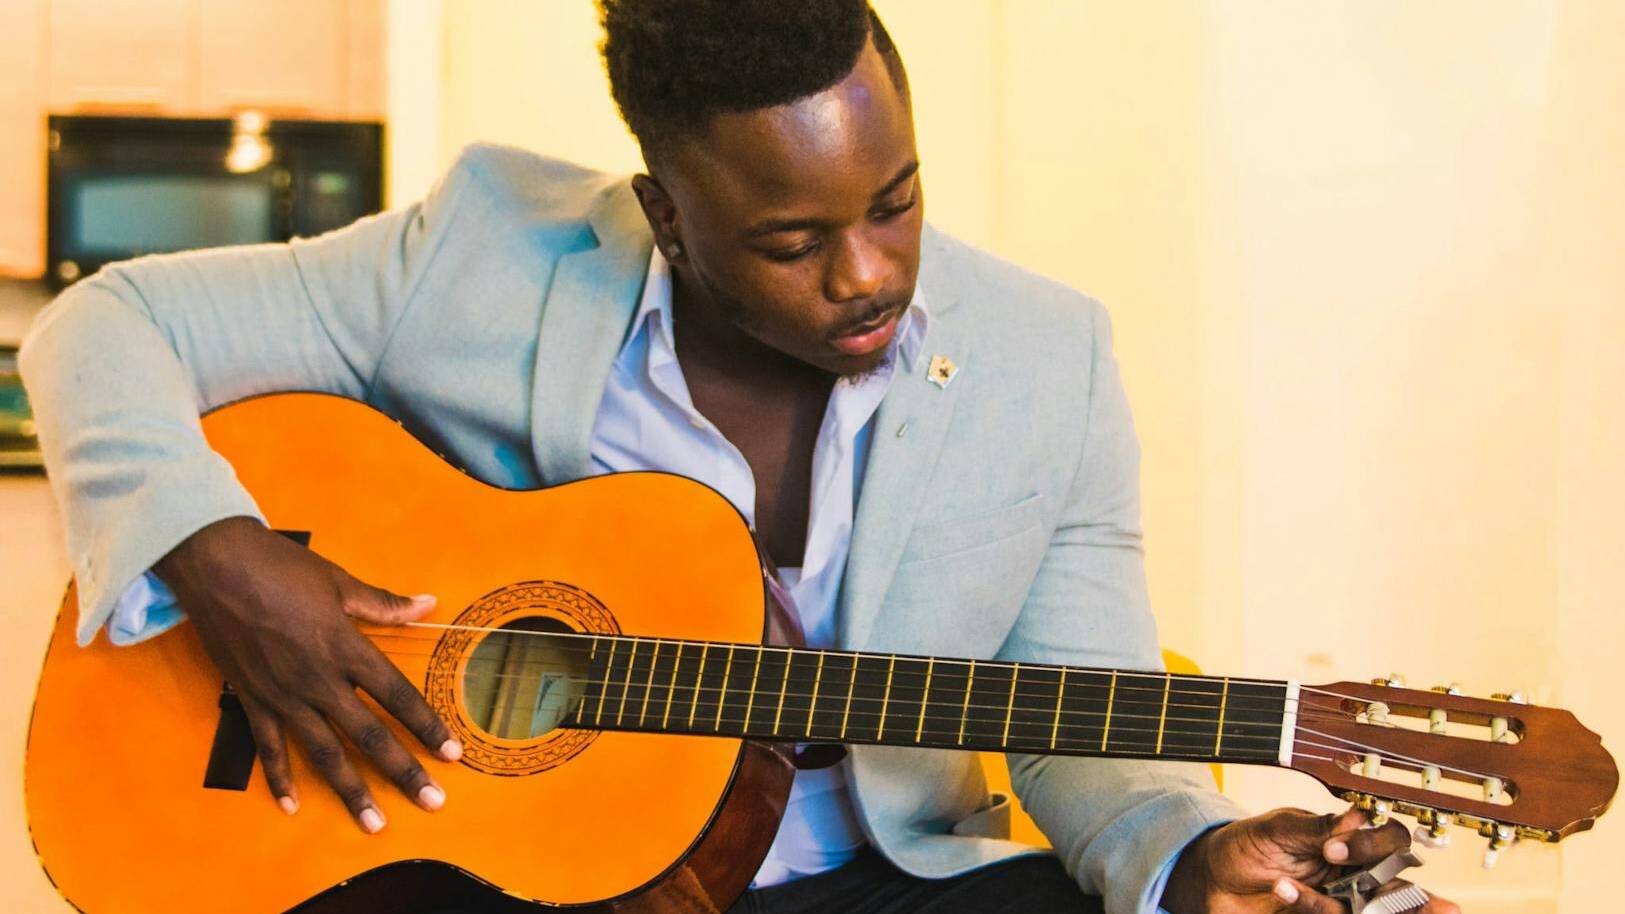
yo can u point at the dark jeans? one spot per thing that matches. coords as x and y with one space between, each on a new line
871 885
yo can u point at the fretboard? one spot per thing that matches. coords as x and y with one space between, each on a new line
807 695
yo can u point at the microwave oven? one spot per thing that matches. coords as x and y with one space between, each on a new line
120 187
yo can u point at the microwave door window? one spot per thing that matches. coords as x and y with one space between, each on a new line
125 215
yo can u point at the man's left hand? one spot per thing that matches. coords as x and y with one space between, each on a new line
1270 864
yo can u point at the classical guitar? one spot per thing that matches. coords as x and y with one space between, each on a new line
630 694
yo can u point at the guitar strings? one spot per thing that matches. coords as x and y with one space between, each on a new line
637 640
1393 756
1144 696
1149 681
1305 710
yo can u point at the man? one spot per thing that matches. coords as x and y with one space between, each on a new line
761 311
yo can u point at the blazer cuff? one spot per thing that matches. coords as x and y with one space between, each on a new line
176 500
1162 829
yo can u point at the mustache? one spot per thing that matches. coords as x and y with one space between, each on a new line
872 319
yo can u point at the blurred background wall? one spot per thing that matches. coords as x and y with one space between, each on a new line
1364 261
1365 265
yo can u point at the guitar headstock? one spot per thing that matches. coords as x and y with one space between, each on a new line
1500 766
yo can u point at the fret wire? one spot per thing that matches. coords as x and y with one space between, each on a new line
648 685
626 686
699 674
813 705
671 688
925 698
749 702
603 692
1110 699
592 655
891 665
1218 739
1010 706
852 684
727 670
1055 729
965 708
788 660
1162 719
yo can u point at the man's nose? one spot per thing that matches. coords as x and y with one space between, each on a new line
857 272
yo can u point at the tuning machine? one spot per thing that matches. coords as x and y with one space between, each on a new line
1501 837
1434 829
1394 681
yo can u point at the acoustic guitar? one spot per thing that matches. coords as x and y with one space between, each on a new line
630 693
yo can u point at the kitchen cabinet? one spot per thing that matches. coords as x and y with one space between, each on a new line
22 124
311 59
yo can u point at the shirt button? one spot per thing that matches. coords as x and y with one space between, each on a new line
697 422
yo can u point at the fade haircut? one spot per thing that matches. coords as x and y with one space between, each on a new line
676 64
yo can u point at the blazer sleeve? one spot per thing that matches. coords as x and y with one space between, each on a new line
120 366
1114 823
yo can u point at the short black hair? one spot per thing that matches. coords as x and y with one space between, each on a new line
675 64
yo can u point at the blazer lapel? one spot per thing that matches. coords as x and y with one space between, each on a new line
590 302
899 467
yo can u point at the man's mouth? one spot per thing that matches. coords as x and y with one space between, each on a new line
870 336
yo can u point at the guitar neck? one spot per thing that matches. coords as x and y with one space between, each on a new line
803 695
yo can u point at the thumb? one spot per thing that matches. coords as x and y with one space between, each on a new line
382 607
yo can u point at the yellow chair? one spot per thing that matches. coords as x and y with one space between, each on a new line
998 774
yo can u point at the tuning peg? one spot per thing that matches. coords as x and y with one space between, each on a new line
1430 777
1380 810
1452 689
1492 790
1499 840
1436 837
1498 730
1516 698
1394 680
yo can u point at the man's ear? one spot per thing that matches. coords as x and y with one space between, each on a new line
661 212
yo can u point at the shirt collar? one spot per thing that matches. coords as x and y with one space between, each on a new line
654 313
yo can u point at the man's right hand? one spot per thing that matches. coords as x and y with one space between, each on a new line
276 619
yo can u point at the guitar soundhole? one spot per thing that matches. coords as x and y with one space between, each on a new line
510 668
522 680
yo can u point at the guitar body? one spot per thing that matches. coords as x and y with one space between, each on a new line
123 739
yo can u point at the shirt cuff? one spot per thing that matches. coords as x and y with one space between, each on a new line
145 609
1150 903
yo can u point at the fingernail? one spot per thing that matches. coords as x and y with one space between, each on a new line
372 820
1337 851
451 750
1286 891
289 804
423 599
432 797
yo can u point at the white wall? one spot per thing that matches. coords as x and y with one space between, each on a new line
1363 261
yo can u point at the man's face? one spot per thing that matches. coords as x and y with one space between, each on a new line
800 224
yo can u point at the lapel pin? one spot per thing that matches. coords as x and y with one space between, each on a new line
941 371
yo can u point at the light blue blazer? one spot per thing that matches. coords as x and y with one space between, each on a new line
1004 523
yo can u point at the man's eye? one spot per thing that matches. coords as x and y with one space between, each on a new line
893 212
792 254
